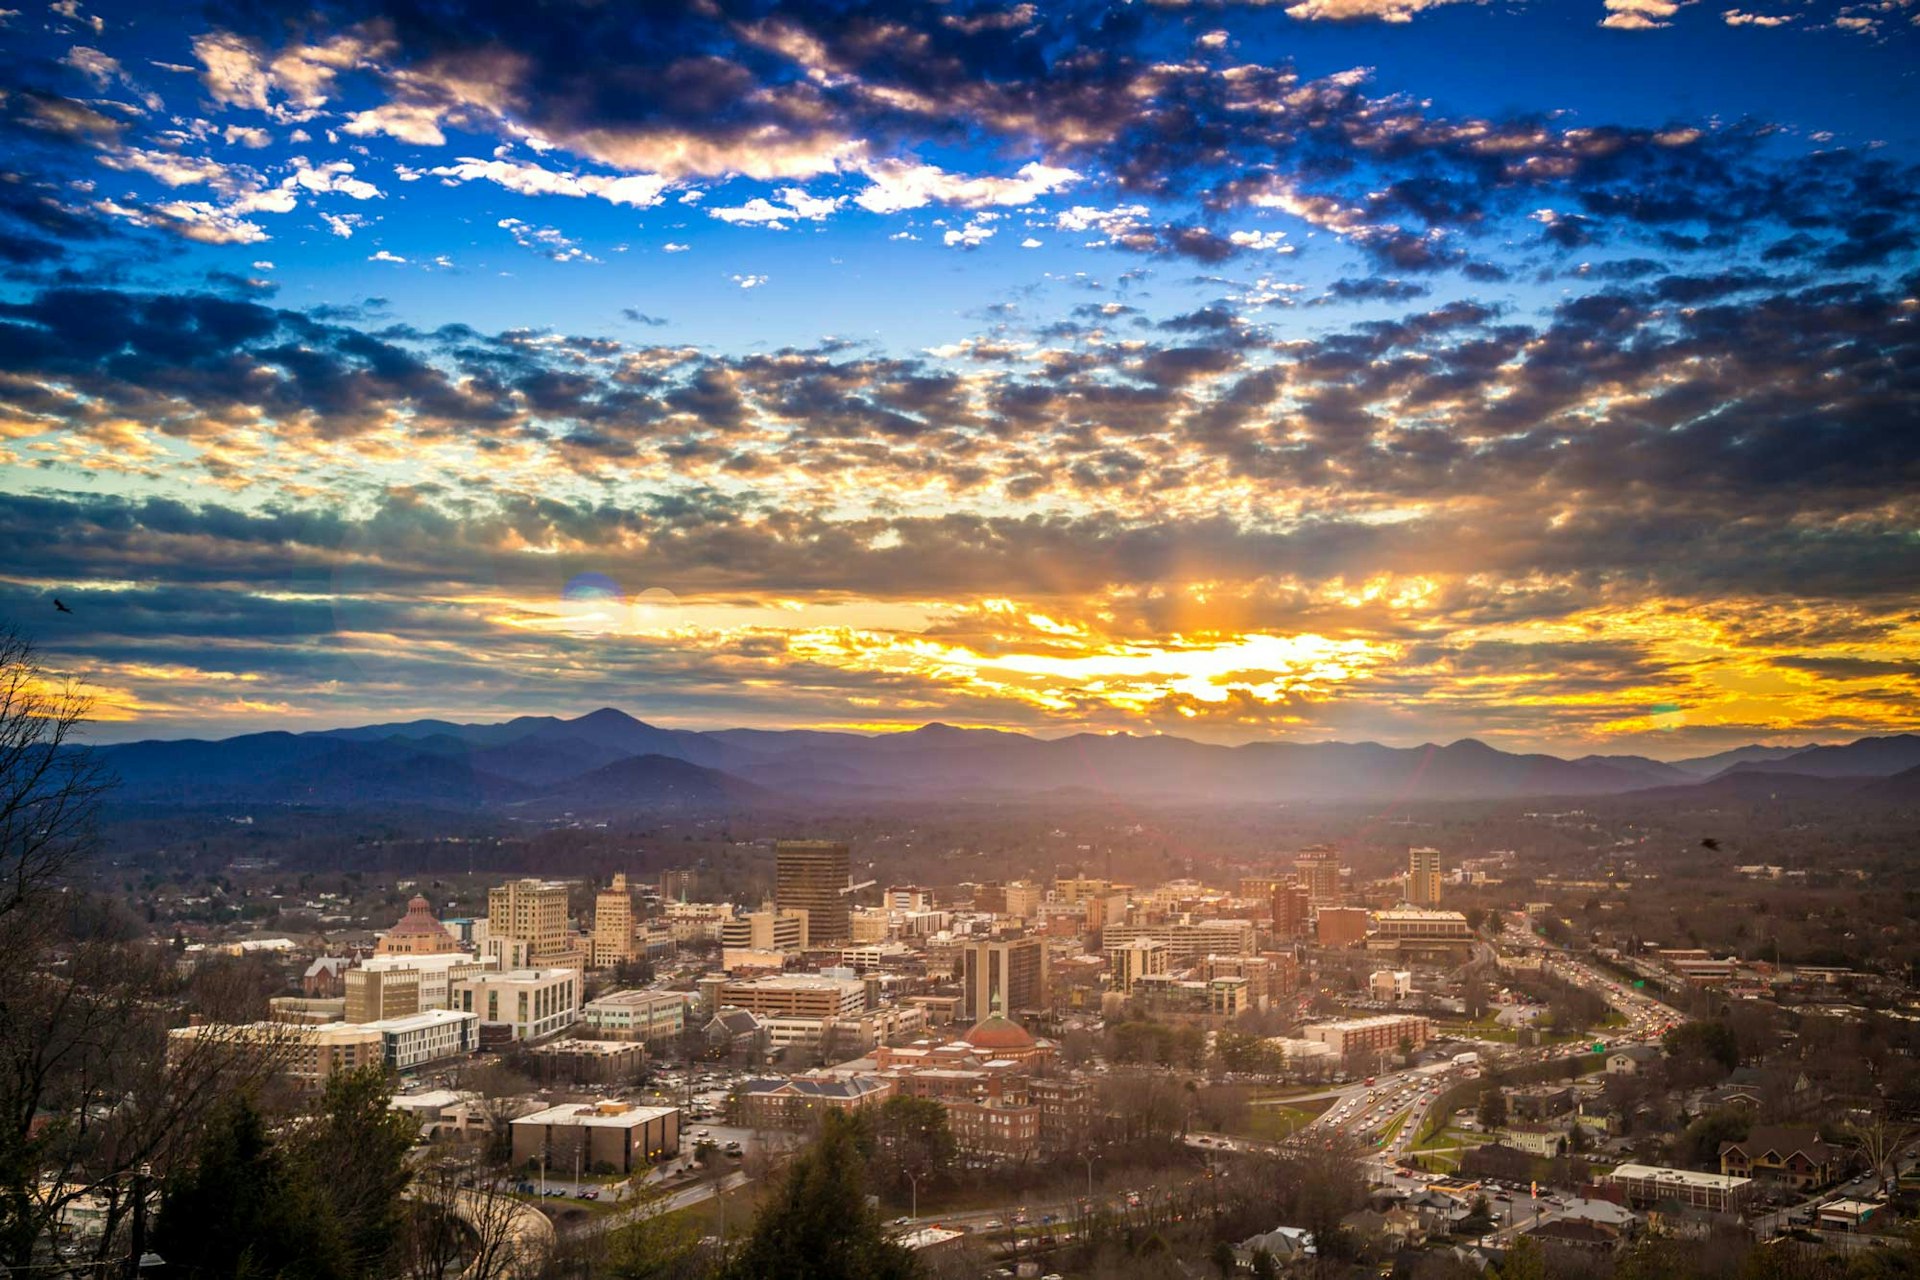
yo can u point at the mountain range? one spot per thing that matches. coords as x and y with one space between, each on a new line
609 762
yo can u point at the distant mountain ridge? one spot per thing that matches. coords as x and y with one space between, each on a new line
607 761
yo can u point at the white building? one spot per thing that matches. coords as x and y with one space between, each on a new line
534 1003
438 972
427 1037
638 1015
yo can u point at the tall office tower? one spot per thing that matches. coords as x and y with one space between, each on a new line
613 925
527 924
1003 975
1292 909
1318 868
813 876
677 886
1423 877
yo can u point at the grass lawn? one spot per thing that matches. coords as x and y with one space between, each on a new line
741 1204
1273 1124
1452 1137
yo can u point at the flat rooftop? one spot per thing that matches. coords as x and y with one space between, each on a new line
598 1117
1678 1177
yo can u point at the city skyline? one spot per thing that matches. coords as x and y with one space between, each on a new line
1352 369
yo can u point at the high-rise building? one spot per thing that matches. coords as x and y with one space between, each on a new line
1104 909
1128 962
1003 975
527 925
1423 877
677 886
1292 910
613 925
813 876
1318 868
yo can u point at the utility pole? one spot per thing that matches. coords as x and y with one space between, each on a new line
137 1233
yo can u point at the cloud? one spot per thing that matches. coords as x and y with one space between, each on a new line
1639 15
975 232
749 282
795 205
640 191
899 185
293 83
548 242
1396 11
102 69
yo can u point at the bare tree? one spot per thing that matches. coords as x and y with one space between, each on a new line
49 786
94 1092
465 1221
1880 1142
502 1090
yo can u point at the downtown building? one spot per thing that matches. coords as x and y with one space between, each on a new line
522 1004
527 927
1003 975
1318 869
814 876
613 940
1187 944
652 1017
1423 877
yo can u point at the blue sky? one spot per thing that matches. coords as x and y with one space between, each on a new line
1357 368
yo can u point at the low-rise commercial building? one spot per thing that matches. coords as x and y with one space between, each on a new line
801 996
1383 1034
606 1137
652 1017
1340 926
1649 1184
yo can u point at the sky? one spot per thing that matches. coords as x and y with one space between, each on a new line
1540 371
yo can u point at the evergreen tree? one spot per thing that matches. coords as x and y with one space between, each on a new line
242 1212
356 1150
817 1224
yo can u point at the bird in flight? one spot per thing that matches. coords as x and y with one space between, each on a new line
61 607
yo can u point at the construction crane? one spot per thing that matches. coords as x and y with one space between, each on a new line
864 884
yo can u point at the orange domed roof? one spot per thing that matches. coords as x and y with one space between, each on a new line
419 918
999 1034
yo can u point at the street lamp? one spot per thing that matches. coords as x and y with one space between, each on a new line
914 1180
1088 1161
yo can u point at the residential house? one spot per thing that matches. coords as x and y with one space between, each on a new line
1631 1059
1795 1157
